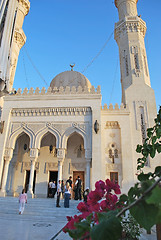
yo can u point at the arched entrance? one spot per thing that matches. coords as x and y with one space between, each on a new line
75 157
48 164
19 168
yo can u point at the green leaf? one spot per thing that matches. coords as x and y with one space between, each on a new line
158 171
145 214
155 197
154 138
143 177
152 152
138 149
110 229
123 198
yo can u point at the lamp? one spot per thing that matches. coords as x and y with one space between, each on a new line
51 148
96 127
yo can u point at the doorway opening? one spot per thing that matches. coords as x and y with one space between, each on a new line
53 176
75 176
28 179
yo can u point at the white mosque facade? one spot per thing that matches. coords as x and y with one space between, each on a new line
64 130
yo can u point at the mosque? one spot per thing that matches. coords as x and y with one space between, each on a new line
64 130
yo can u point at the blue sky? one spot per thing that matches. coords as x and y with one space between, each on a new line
61 32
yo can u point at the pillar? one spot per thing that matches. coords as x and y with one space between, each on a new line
7 158
88 164
61 157
33 158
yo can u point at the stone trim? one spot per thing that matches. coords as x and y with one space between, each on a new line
51 166
61 111
27 166
19 37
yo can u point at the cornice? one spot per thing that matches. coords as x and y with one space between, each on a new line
59 111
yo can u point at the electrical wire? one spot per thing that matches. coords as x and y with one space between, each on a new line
40 75
114 80
100 51
24 65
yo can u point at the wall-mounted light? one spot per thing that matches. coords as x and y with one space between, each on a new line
51 148
96 127
1 126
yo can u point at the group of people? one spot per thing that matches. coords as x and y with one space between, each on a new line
61 189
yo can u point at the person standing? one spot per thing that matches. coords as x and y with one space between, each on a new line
53 188
58 194
70 181
67 195
76 190
79 188
22 201
62 188
50 189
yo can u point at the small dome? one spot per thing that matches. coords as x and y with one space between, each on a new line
70 78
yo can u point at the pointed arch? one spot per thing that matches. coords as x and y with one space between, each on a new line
69 132
45 130
19 131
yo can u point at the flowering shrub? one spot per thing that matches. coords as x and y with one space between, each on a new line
102 199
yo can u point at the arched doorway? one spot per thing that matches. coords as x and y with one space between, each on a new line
75 156
48 164
19 166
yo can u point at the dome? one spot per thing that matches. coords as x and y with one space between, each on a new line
70 78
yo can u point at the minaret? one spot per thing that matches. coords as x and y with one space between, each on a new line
129 35
135 80
12 37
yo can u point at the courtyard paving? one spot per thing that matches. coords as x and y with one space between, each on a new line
41 220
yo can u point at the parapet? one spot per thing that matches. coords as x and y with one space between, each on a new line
58 91
115 107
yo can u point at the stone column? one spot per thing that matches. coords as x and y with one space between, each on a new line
33 158
14 168
88 165
7 158
61 157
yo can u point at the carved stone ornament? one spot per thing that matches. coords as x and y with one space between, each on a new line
78 166
112 124
61 153
51 166
27 166
34 153
8 154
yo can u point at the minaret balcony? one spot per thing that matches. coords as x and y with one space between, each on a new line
19 37
130 24
26 5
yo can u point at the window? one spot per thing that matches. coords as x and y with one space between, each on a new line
126 64
136 60
114 177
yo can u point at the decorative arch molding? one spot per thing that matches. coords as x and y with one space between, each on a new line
70 131
19 131
45 130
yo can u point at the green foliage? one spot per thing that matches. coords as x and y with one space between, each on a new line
109 228
131 228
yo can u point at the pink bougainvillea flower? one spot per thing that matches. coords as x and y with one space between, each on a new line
100 185
116 189
94 197
104 205
94 207
82 207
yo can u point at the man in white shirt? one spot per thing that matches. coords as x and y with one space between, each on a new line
58 193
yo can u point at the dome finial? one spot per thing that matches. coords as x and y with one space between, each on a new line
72 66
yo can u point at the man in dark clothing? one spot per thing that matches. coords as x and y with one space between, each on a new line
79 188
70 181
